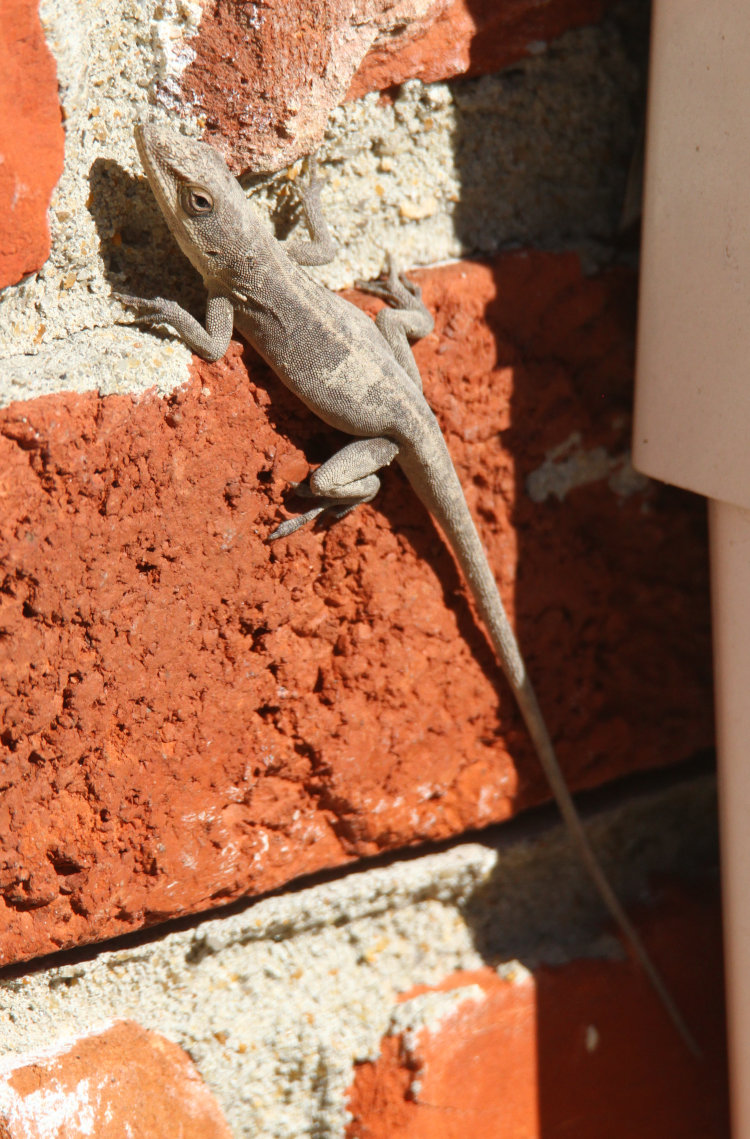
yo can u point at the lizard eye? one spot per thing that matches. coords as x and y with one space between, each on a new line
196 200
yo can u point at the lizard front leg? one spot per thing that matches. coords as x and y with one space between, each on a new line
321 248
344 481
210 342
407 319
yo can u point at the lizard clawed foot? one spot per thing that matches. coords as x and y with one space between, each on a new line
291 524
396 289
330 506
147 311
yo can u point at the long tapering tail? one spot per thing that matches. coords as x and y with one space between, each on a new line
431 473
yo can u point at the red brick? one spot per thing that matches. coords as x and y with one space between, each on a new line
583 1050
189 715
471 37
270 84
29 110
122 1081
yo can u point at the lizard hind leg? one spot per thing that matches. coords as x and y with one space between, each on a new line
344 481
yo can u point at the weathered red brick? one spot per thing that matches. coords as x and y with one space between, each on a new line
471 37
31 140
584 1050
189 715
270 83
121 1081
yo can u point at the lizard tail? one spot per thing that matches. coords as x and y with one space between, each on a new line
537 729
437 484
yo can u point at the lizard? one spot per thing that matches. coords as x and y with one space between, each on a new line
357 375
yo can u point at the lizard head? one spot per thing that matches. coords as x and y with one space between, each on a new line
202 202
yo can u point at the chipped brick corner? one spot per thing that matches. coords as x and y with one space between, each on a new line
119 1081
514 1052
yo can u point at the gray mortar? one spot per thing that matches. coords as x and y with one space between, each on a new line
570 465
276 1003
536 154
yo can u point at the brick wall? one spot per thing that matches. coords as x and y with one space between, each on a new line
191 718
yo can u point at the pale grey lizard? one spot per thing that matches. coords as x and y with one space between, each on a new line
356 374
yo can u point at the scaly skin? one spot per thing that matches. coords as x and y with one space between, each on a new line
355 374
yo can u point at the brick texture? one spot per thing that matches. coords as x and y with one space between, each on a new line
471 37
300 60
31 140
189 715
583 1049
123 1081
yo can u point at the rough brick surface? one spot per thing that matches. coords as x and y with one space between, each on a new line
123 1081
189 715
470 37
31 140
268 81
580 1050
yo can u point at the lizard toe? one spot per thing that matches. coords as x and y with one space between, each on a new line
284 529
